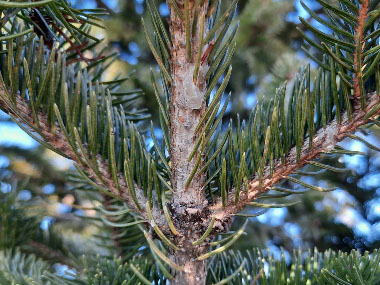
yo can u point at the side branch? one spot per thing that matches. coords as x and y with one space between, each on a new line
56 138
358 55
324 141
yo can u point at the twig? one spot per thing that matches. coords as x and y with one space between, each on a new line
257 277
324 140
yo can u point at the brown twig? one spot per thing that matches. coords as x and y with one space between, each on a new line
49 41
257 277
103 5
358 55
207 51
75 47
49 253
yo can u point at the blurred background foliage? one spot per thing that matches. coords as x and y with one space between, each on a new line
49 211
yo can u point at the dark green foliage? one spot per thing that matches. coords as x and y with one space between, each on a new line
73 111
15 225
111 271
95 118
306 268
18 268
20 228
115 222
230 267
283 123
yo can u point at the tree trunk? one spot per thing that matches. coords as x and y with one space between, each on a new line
194 271
187 107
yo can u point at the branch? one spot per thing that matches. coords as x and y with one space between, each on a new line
58 141
327 137
324 141
103 5
358 55
47 253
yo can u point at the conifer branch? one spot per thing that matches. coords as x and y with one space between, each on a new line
323 141
327 108
58 141
81 120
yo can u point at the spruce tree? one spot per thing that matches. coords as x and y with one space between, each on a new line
180 196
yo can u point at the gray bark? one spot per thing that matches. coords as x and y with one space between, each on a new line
186 109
